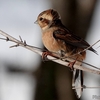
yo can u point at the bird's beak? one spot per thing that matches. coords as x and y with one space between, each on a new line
36 22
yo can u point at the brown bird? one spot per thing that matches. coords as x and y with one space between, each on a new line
58 39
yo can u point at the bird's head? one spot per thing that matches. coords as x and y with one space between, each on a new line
46 18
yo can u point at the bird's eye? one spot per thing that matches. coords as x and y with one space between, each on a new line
41 19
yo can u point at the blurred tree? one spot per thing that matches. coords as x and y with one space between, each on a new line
54 81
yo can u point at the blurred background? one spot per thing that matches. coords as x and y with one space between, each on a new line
23 75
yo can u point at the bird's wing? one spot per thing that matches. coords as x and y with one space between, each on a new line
72 39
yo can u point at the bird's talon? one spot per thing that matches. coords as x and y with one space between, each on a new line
71 64
45 54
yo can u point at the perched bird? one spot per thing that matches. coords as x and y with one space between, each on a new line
58 39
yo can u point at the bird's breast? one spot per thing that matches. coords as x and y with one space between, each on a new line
51 43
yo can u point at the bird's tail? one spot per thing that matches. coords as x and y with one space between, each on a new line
77 82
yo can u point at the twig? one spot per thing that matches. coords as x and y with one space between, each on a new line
39 51
20 39
85 87
89 47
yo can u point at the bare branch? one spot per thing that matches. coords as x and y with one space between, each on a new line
40 51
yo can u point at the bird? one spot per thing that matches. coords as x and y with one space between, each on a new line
58 39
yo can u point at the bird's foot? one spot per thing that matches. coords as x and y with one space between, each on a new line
71 64
45 54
